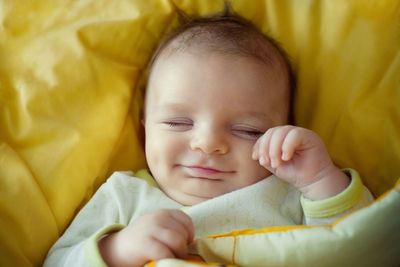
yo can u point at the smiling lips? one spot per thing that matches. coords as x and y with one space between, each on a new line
199 170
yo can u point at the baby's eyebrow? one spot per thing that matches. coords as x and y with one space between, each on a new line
171 106
186 107
259 116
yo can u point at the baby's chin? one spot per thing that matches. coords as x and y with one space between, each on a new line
190 200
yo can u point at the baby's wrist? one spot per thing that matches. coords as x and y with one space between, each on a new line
332 181
108 250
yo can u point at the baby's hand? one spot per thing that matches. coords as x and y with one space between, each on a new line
156 235
299 157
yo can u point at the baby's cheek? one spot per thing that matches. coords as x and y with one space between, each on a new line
155 152
255 171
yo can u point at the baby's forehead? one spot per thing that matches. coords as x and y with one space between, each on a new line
271 67
192 71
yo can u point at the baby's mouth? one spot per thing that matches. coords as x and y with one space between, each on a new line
205 172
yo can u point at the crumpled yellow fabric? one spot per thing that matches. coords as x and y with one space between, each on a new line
70 74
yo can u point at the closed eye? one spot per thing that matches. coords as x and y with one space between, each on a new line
250 134
174 124
178 125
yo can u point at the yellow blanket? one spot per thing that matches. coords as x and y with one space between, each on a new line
70 80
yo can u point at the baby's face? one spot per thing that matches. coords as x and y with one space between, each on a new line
203 115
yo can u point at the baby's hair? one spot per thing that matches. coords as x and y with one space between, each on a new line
227 34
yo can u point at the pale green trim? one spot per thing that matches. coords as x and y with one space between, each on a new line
146 176
91 249
336 204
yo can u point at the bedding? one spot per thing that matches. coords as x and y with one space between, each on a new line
71 80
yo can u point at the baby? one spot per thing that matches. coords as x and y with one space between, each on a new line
219 148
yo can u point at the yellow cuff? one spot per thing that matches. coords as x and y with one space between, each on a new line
91 248
343 201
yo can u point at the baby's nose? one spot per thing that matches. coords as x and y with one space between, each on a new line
209 141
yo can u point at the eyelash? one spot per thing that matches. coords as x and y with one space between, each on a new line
175 124
249 133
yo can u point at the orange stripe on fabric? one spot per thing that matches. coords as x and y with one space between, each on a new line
196 258
234 234
192 258
296 227
265 230
397 186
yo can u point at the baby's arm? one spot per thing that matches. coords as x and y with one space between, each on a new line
299 157
117 204
156 235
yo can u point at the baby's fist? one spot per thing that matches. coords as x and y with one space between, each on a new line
294 154
156 235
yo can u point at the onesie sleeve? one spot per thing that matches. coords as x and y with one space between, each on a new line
326 211
117 203
78 245
91 249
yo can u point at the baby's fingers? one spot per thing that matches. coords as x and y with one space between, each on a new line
275 147
157 250
173 242
293 140
260 149
177 232
296 140
255 155
184 221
